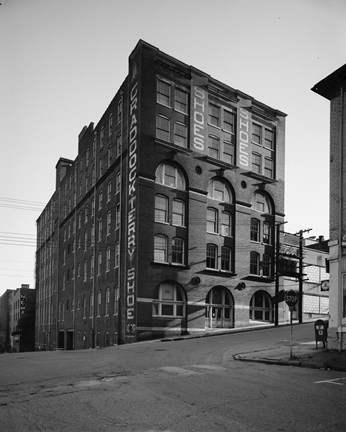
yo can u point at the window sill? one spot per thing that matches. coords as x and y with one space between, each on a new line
170 265
172 146
218 272
259 278
260 177
219 163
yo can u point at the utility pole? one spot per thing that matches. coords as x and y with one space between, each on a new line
277 273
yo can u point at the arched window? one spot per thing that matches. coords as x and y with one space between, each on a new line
170 175
170 301
219 308
219 191
261 307
261 203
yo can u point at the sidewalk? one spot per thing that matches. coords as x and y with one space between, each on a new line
303 354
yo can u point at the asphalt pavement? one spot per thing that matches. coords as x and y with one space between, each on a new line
303 354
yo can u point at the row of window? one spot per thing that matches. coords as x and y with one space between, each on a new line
86 304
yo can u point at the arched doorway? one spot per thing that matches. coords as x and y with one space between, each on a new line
219 308
261 307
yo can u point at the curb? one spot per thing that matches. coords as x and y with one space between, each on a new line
296 363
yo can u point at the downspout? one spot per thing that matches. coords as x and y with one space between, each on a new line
341 212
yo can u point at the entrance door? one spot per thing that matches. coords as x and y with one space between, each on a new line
219 308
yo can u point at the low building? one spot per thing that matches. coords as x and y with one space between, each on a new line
22 319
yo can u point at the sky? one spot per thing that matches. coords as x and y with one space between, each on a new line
64 60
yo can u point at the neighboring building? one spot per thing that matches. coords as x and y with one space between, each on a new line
165 221
333 88
22 319
5 309
303 267
17 319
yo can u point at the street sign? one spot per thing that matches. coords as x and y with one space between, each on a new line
291 298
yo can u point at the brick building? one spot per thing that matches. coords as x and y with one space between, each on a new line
5 309
333 88
165 221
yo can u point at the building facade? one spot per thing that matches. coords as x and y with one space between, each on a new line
165 221
5 309
333 88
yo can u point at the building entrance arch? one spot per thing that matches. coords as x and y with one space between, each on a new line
261 307
219 308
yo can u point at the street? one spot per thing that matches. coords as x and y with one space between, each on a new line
184 385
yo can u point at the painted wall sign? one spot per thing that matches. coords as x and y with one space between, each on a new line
199 114
131 224
244 138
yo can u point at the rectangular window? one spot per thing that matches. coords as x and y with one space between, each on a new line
214 115
212 220
110 124
228 152
178 213
107 301
180 101
161 209
117 216
102 134
269 167
99 300
180 134
266 266
177 251
117 255
99 264
254 263
92 267
255 230
162 128
160 249
226 228
109 223
213 147
256 163
117 182
100 199
266 233
269 139
100 229
256 134
211 256
118 145
225 259
229 121
116 299
108 259
109 191
120 110
163 92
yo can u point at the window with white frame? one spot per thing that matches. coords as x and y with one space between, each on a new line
109 191
99 237
212 220
170 176
116 300
92 266
163 92
211 256
108 259
178 212
99 302
170 301
162 127
177 251
109 223
85 272
117 255
117 182
180 134
261 203
99 264
91 305
256 163
110 124
214 115
255 230
226 224
213 146
117 216
219 191
160 248
161 208
225 258
254 263
118 145
107 304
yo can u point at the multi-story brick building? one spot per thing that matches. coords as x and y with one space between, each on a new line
333 88
164 222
